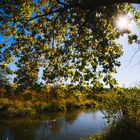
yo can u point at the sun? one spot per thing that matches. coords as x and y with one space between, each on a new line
122 22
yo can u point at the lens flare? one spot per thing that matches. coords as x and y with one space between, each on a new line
122 22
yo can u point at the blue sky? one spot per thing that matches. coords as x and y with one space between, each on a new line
128 74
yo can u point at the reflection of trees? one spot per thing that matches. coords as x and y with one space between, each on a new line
56 120
55 125
42 129
7 135
71 116
53 116
20 130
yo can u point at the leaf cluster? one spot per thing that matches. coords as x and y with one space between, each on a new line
73 41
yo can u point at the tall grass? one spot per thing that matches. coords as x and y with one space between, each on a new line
22 102
122 110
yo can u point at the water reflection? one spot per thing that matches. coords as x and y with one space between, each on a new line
56 126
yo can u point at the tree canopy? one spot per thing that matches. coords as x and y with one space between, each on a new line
4 81
71 40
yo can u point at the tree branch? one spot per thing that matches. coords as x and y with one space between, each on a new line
45 14
60 2
91 4
105 2
86 6
134 55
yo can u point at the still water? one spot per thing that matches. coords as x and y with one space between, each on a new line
57 126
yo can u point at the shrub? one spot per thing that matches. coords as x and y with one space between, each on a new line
123 112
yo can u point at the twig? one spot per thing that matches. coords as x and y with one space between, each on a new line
60 2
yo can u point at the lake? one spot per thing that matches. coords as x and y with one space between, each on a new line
55 126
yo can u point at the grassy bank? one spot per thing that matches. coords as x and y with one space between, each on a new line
26 102
121 107
123 114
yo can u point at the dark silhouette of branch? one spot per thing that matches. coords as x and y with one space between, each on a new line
105 2
45 14
132 57
88 5
60 2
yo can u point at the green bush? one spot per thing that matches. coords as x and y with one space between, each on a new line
124 106
122 110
